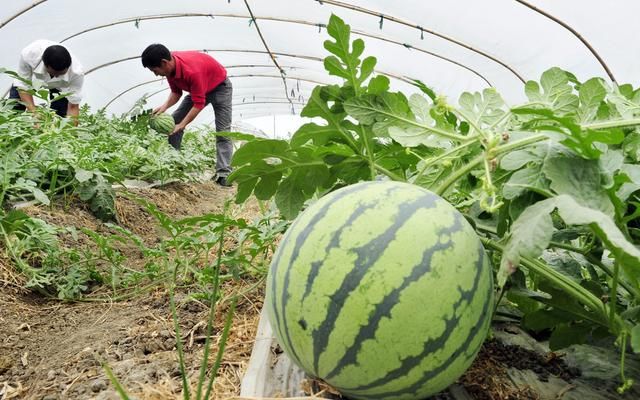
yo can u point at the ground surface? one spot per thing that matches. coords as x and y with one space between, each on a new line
53 350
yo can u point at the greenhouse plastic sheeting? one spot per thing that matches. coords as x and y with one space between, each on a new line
454 46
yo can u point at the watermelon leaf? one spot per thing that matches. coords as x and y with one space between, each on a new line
565 335
527 179
580 179
482 109
554 92
100 195
346 61
591 94
532 231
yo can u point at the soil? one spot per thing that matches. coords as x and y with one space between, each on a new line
55 350
487 377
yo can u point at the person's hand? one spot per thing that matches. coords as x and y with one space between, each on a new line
159 110
36 117
179 128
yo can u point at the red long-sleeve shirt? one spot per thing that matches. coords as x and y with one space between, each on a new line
197 73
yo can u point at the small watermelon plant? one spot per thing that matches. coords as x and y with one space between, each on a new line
383 290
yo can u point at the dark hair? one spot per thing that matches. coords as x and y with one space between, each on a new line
56 57
153 55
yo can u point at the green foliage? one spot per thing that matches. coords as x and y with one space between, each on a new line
320 158
556 175
99 194
34 247
42 156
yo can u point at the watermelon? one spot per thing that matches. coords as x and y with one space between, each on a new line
162 123
381 289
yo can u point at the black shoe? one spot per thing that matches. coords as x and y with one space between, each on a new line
222 181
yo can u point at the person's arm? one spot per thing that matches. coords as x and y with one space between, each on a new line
75 97
25 72
27 99
191 115
171 100
73 111
199 101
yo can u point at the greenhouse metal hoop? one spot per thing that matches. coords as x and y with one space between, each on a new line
285 20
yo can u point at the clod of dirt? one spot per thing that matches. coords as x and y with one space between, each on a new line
520 358
5 364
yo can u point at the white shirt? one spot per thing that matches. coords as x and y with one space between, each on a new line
32 68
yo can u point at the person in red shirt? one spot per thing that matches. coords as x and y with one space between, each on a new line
206 81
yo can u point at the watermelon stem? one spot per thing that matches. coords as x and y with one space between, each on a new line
485 135
582 295
492 153
426 163
388 173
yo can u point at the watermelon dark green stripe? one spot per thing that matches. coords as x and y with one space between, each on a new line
384 308
367 255
433 344
315 266
300 239
428 375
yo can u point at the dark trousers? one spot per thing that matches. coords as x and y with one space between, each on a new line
59 106
220 99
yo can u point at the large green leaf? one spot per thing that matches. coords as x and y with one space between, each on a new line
545 319
100 195
592 93
299 186
553 92
529 175
531 233
83 175
517 159
526 179
261 149
30 187
378 85
270 168
565 335
410 123
625 101
631 146
582 141
346 59
482 109
318 134
318 106
413 136
632 181
580 179
610 163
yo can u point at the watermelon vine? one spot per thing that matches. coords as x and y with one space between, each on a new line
551 185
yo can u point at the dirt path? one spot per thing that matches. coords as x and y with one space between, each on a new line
53 350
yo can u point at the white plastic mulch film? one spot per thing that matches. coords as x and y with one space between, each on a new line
274 58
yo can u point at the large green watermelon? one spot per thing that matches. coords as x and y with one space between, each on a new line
162 123
381 289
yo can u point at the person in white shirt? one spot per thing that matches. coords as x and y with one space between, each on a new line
55 68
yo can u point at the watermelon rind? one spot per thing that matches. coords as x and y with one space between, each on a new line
381 289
